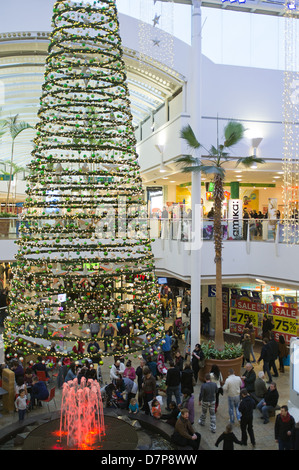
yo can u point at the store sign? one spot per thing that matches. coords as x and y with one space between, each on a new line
241 311
235 218
284 320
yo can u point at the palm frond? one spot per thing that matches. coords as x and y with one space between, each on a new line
207 169
214 170
188 135
233 133
248 161
17 128
3 127
187 160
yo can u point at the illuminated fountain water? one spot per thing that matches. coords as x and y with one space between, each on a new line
82 417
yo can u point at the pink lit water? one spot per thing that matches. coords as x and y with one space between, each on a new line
82 418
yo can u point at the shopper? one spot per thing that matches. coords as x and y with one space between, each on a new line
249 378
173 383
156 411
184 434
197 358
260 387
129 371
188 403
139 375
207 400
216 377
284 429
39 392
187 378
133 407
166 346
232 386
117 370
246 347
206 320
246 407
282 352
148 389
172 416
252 339
265 356
21 405
269 402
228 438
274 350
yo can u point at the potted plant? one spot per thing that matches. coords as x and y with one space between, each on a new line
230 357
213 164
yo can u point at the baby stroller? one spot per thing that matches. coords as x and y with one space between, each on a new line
109 397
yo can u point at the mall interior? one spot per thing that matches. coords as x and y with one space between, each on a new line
203 64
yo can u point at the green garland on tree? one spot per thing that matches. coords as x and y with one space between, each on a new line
84 260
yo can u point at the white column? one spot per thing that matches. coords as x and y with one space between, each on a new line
194 100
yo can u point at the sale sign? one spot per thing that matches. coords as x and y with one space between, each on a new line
285 319
241 311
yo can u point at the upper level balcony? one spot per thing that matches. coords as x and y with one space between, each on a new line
252 249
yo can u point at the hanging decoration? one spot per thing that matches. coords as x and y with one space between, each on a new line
84 284
291 127
156 32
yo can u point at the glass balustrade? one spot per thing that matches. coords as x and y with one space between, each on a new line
281 231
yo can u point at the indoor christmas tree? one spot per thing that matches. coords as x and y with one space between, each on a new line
84 265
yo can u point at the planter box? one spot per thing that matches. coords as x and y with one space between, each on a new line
4 227
224 366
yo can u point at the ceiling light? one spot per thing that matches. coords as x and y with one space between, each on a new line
260 281
163 168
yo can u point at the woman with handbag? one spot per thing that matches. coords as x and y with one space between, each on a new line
283 352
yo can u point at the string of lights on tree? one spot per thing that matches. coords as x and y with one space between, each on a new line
291 117
84 255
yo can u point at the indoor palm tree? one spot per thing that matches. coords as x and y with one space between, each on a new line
214 165
14 127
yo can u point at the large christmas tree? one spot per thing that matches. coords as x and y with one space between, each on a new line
84 264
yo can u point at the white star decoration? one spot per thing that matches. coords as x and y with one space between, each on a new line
156 42
156 19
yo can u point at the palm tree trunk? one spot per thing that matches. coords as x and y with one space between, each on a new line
218 195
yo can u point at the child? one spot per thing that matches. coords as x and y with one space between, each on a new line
156 409
228 438
133 406
21 404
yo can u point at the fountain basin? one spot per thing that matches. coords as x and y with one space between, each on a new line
119 435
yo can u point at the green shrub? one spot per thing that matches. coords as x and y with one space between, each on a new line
230 351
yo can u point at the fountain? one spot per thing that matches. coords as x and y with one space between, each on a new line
82 417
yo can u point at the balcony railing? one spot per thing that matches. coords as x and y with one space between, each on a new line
279 231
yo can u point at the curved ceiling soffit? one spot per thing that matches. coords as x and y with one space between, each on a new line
149 81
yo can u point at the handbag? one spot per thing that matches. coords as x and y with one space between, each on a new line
201 363
286 360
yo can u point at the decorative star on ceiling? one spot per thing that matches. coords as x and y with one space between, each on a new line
156 42
156 19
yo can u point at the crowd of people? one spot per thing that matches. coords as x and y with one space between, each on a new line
163 386
29 389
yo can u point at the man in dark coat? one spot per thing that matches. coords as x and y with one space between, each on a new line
284 429
246 407
265 356
269 402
